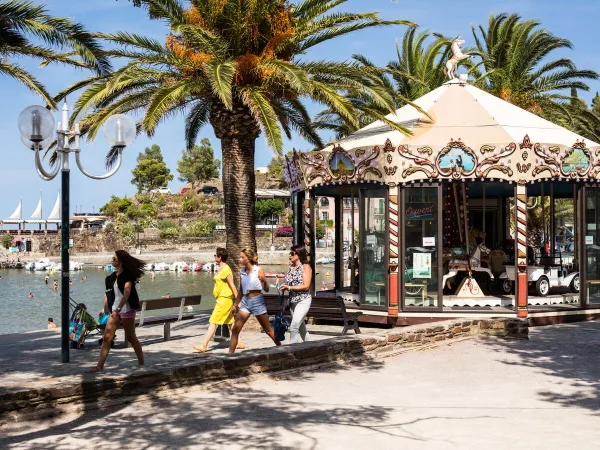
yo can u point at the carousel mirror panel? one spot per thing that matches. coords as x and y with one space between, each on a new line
592 245
373 260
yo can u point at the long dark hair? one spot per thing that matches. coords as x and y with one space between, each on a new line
301 252
133 266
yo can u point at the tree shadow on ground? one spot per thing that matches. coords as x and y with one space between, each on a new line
244 417
567 352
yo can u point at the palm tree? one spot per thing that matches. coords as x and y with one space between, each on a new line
517 66
419 69
237 66
21 21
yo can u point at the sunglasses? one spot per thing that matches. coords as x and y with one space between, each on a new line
293 253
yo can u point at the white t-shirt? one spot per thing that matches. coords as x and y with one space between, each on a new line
118 298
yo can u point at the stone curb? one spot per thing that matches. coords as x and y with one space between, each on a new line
23 404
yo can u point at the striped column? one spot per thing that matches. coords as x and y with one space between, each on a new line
521 216
393 250
308 225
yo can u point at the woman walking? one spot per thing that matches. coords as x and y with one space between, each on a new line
250 299
298 281
225 292
126 302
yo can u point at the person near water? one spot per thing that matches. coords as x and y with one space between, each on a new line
31 295
126 301
250 300
46 279
51 324
167 296
298 281
224 292
55 285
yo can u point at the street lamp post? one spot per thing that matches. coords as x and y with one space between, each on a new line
36 125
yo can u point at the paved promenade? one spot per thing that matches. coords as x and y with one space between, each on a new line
543 393
32 359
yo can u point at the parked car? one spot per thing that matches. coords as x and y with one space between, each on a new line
208 190
162 190
183 190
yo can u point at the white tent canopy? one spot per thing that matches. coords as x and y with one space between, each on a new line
18 214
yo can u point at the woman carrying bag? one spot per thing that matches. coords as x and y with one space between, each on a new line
225 293
298 281
121 285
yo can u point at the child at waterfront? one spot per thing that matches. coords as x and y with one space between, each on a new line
250 299
51 324
120 285
225 292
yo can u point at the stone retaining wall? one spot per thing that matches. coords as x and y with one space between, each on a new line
52 398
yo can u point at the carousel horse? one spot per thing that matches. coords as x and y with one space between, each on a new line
475 259
457 55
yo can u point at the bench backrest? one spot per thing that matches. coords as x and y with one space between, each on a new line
173 302
327 307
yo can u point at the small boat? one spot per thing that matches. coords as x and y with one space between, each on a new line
187 269
177 266
160 267
75 265
209 267
197 267
109 267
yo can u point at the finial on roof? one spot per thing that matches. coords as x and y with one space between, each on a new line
457 55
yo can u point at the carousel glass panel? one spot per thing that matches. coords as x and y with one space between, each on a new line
373 264
421 247
592 241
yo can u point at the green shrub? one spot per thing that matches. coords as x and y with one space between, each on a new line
133 212
201 228
7 240
160 201
144 198
169 233
191 204
149 210
166 223
127 231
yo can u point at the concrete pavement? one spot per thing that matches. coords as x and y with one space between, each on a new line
484 393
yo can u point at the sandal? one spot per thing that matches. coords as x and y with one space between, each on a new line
200 348
241 346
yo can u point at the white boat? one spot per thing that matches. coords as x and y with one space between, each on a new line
325 260
75 265
177 266
209 267
42 264
159 267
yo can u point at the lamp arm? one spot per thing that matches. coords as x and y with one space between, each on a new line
46 176
99 177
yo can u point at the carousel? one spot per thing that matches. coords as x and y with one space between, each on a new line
483 208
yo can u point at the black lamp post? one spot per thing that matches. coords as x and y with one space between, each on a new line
36 125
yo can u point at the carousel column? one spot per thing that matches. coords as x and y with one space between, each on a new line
393 251
309 233
521 216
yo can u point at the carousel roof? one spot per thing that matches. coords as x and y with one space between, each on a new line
461 111
466 134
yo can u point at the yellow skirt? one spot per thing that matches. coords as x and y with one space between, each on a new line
221 315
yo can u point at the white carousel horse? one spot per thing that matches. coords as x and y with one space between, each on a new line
460 265
457 55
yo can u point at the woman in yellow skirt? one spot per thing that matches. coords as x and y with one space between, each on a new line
224 292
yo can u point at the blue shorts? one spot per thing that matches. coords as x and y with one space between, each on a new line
255 305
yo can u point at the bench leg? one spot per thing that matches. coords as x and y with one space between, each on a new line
345 329
167 333
356 328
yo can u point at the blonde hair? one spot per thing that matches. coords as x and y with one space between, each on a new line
251 254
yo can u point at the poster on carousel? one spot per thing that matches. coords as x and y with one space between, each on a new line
422 265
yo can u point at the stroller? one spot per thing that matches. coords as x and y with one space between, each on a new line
81 325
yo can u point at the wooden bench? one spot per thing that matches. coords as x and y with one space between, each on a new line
166 320
326 308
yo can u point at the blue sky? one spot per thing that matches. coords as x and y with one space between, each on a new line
575 20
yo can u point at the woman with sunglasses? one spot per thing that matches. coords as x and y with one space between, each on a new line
126 302
298 281
250 299
225 292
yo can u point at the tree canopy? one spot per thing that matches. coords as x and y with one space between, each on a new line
198 164
269 207
152 152
150 174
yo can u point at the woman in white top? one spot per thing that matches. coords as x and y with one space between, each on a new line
250 299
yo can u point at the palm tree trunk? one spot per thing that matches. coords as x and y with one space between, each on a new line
238 193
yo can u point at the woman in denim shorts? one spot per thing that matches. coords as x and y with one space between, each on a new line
250 299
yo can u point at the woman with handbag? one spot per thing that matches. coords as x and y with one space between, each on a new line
298 281
224 292
122 300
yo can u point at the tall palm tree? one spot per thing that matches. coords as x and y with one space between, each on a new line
237 66
22 21
517 66
419 69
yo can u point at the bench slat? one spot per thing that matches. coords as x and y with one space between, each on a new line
173 302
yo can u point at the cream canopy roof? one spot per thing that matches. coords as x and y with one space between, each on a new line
494 139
